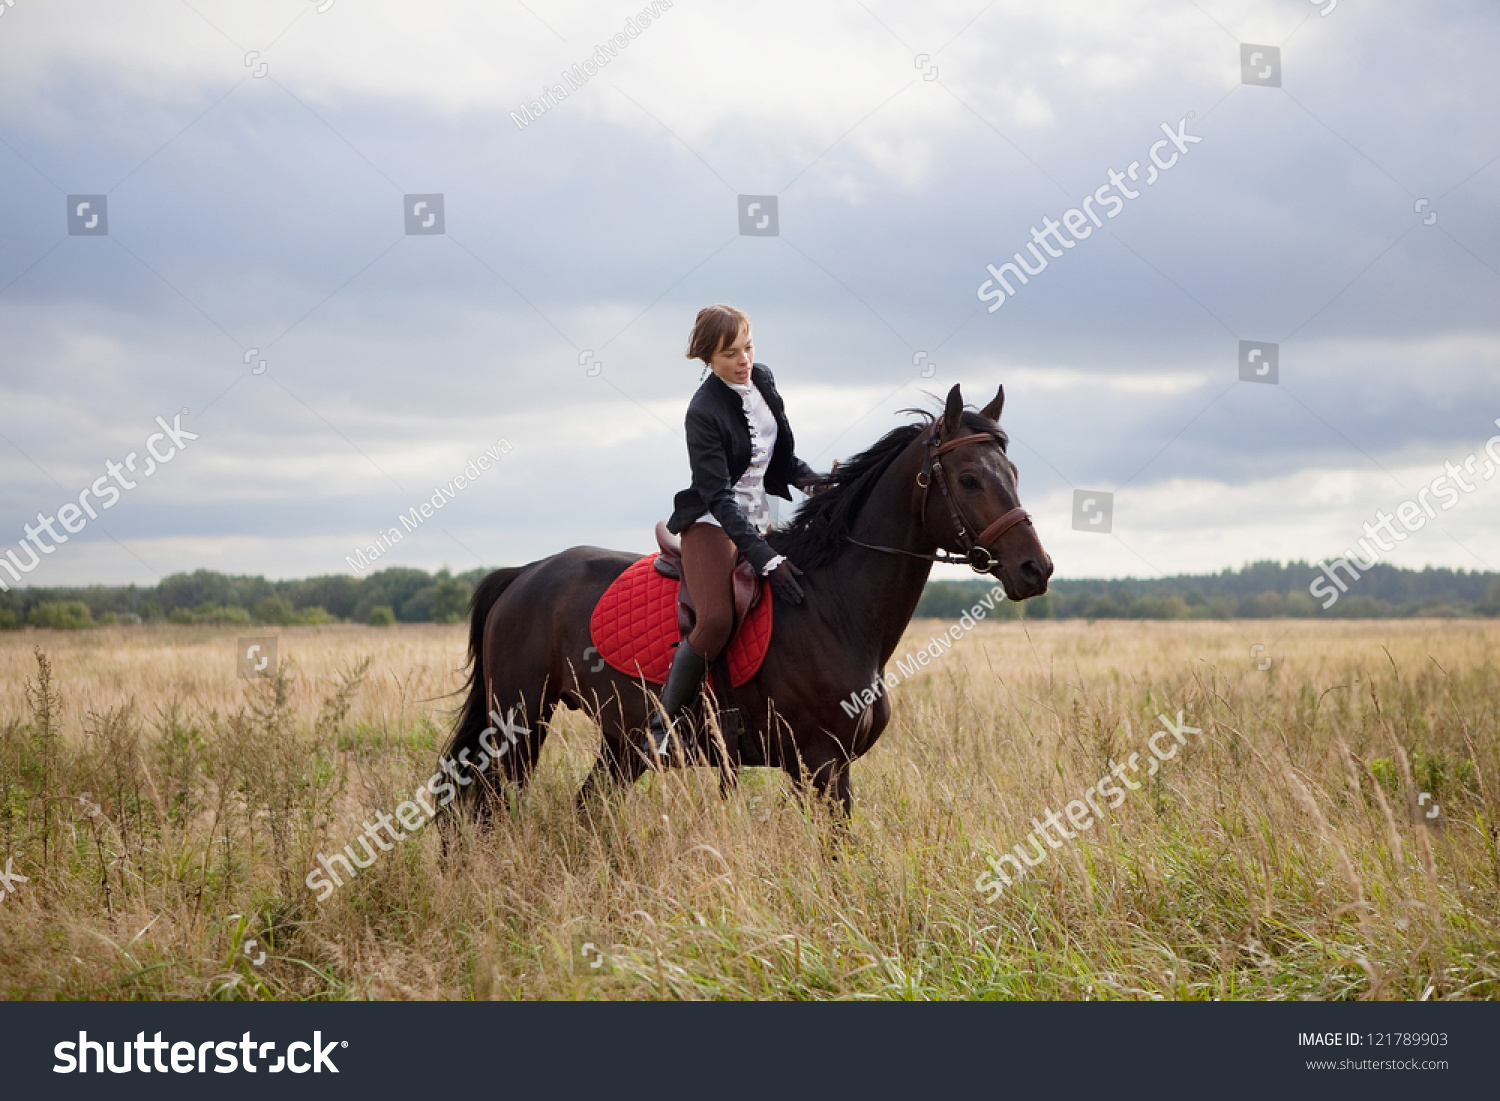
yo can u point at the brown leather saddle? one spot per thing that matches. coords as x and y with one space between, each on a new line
747 584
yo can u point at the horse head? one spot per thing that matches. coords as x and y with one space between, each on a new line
976 509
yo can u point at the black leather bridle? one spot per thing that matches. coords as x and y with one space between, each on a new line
977 555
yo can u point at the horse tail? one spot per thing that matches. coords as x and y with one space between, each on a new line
475 714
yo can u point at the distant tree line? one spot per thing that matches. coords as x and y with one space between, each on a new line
1261 590
396 595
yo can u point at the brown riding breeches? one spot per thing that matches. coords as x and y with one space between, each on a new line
708 558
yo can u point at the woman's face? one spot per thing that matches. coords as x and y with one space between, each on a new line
732 362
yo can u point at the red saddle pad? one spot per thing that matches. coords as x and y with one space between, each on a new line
634 627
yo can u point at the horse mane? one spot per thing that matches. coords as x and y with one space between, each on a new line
819 532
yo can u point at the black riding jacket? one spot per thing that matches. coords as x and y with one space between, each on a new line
718 440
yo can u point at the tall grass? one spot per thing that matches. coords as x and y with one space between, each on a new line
166 814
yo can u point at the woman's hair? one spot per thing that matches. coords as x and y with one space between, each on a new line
716 328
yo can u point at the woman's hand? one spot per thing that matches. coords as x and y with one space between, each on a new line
814 484
783 581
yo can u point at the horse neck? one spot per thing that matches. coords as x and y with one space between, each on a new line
875 590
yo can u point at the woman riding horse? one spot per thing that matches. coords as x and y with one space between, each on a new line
739 449
939 489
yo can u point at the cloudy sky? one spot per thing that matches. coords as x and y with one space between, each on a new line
255 158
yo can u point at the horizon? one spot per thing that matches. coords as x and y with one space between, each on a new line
963 575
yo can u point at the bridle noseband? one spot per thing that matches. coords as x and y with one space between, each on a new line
977 555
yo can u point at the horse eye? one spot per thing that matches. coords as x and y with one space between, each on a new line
968 481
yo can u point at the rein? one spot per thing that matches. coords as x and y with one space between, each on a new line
977 555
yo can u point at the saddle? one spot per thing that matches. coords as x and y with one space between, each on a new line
749 635
638 621
747 583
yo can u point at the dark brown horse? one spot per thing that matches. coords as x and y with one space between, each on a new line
866 542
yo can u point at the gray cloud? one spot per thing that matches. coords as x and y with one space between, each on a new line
265 213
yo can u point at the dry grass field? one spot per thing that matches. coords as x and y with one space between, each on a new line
165 814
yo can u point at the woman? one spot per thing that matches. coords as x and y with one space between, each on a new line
739 449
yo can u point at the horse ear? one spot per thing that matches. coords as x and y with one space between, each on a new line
953 412
992 410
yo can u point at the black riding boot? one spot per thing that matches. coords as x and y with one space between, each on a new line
684 680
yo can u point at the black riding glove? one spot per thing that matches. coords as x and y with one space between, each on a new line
783 581
813 484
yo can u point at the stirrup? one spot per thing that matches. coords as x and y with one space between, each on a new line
664 738
659 735
683 686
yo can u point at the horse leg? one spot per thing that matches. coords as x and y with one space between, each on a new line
515 745
620 764
729 779
615 769
601 780
487 763
719 743
831 782
828 780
